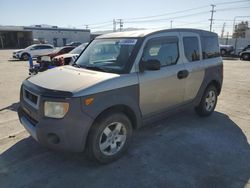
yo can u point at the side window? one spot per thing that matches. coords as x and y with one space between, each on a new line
36 47
210 47
165 50
45 47
191 48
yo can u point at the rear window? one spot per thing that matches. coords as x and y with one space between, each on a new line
191 48
210 47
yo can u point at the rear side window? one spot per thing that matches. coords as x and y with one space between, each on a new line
36 47
191 48
210 47
165 50
45 47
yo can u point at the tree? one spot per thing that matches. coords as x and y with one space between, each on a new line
240 30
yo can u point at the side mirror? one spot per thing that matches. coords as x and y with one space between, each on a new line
152 64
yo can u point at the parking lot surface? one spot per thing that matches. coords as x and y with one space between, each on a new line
184 150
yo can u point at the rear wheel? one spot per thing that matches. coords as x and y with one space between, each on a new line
109 137
208 101
25 57
246 57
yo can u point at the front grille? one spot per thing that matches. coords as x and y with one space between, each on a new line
31 98
29 118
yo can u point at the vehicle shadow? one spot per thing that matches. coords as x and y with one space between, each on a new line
181 151
12 107
14 60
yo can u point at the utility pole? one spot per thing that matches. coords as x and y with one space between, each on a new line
120 21
86 26
212 17
171 24
222 30
227 38
114 25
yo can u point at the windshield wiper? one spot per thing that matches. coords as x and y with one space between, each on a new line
94 68
76 65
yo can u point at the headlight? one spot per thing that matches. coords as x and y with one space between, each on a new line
55 109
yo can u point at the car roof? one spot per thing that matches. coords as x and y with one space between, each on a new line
144 33
42 45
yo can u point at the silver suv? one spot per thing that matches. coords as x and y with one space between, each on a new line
120 82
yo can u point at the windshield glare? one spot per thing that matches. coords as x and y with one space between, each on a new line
78 49
109 55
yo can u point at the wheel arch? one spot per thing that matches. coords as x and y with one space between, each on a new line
129 112
25 53
216 84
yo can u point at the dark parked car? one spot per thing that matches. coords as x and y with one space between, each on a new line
247 48
245 55
226 49
56 52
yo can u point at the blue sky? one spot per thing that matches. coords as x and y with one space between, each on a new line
77 13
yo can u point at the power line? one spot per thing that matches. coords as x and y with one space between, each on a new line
172 18
100 23
160 15
101 26
233 8
186 10
232 2
146 18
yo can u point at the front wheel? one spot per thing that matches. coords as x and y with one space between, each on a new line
208 102
109 137
25 57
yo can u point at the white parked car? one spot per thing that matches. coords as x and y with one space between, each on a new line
33 51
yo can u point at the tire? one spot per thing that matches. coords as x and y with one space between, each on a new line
109 137
223 52
25 57
245 57
208 102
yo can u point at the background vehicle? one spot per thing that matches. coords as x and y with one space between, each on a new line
56 52
96 103
245 55
33 51
74 44
226 49
46 63
68 58
247 48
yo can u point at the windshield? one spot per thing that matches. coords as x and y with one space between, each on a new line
78 49
108 55
57 49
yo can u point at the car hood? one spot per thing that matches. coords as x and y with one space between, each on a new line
66 56
20 50
69 78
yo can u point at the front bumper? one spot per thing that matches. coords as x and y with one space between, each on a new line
68 134
16 56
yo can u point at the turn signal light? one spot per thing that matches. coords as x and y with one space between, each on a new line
88 101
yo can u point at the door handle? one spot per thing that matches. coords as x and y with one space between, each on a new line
182 74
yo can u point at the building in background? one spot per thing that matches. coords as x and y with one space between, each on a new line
22 36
